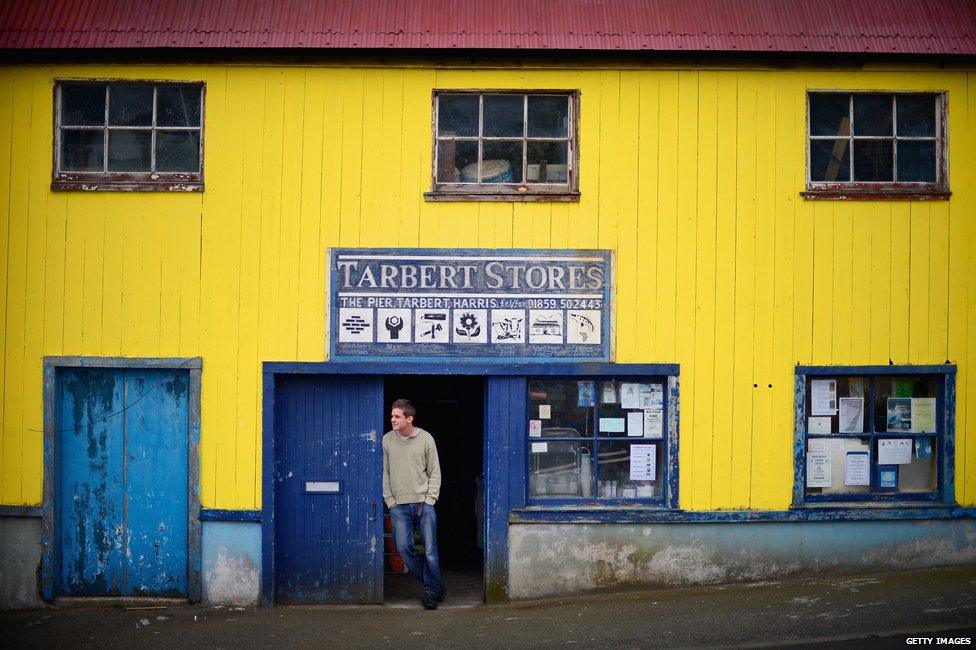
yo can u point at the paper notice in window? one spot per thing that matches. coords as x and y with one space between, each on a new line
545 411
635 423
851 414
535 428
895 451
858 468
923 414
823 396
540 447
651 396
629 396
818 469
612 425
643 462
654 423
818 425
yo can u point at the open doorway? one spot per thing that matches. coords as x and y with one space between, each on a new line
451 409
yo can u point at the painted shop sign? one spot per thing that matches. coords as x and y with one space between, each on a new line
407 302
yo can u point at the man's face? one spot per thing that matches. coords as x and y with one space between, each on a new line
400 421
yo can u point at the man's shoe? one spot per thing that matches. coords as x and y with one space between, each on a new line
429 601
441 596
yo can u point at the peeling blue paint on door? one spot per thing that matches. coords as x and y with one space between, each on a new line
122 488
328 489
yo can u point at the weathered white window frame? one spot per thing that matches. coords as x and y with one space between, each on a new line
524 191
105 179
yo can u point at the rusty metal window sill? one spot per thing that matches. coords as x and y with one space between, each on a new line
857 194
503 196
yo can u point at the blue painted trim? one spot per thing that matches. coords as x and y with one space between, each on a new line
944 369
664 515
182 363
799 437
267 487
947 450
214 514
21 511
484 369
674 424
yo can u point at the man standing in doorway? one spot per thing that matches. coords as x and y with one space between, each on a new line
411 485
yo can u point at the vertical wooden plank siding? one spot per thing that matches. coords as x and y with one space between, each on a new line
691 176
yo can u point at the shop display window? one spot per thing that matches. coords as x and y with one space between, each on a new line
874 436
601 439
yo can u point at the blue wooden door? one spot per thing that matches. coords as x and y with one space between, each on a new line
328 489
122 482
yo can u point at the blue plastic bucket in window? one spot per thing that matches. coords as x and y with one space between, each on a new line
492 171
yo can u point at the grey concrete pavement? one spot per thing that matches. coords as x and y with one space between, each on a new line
871 611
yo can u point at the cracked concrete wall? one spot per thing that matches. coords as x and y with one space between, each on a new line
554 559
231 563
20 560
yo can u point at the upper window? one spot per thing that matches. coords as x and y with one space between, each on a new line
869 436
504 145
604 440
128 135
876 143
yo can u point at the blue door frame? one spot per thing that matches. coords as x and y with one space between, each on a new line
51 570
505 462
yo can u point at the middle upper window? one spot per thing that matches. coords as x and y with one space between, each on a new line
505 145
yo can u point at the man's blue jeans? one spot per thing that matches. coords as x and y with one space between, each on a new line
426 567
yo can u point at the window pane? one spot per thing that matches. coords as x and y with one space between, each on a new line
916 161
872 114
850 404
504 115
82 104
569 405
617 478
503 161
453 156
916 114
631 408
829 114
830 160
81 150
897 407
547 162
548 116
457 115
128 151
130 105
178 105
921 474
560 469
873 160
178 151
838 450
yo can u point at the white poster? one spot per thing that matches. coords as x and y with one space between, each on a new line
654 423
818 425
895 451
612 425
857 470
818 469
535 428
629 396
851 414
650 396
643 460
823 396
635 423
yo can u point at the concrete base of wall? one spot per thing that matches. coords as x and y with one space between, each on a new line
231 563
554 559
20 561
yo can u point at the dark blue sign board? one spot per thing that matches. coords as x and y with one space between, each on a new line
473 303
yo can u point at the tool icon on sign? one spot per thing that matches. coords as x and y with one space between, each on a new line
393 325
434 323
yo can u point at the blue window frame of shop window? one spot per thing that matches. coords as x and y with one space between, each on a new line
666 470
879 489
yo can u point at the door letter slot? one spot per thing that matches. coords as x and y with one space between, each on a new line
321 487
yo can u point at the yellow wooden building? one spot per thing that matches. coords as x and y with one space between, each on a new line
787 233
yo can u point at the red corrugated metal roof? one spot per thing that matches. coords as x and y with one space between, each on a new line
872 26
